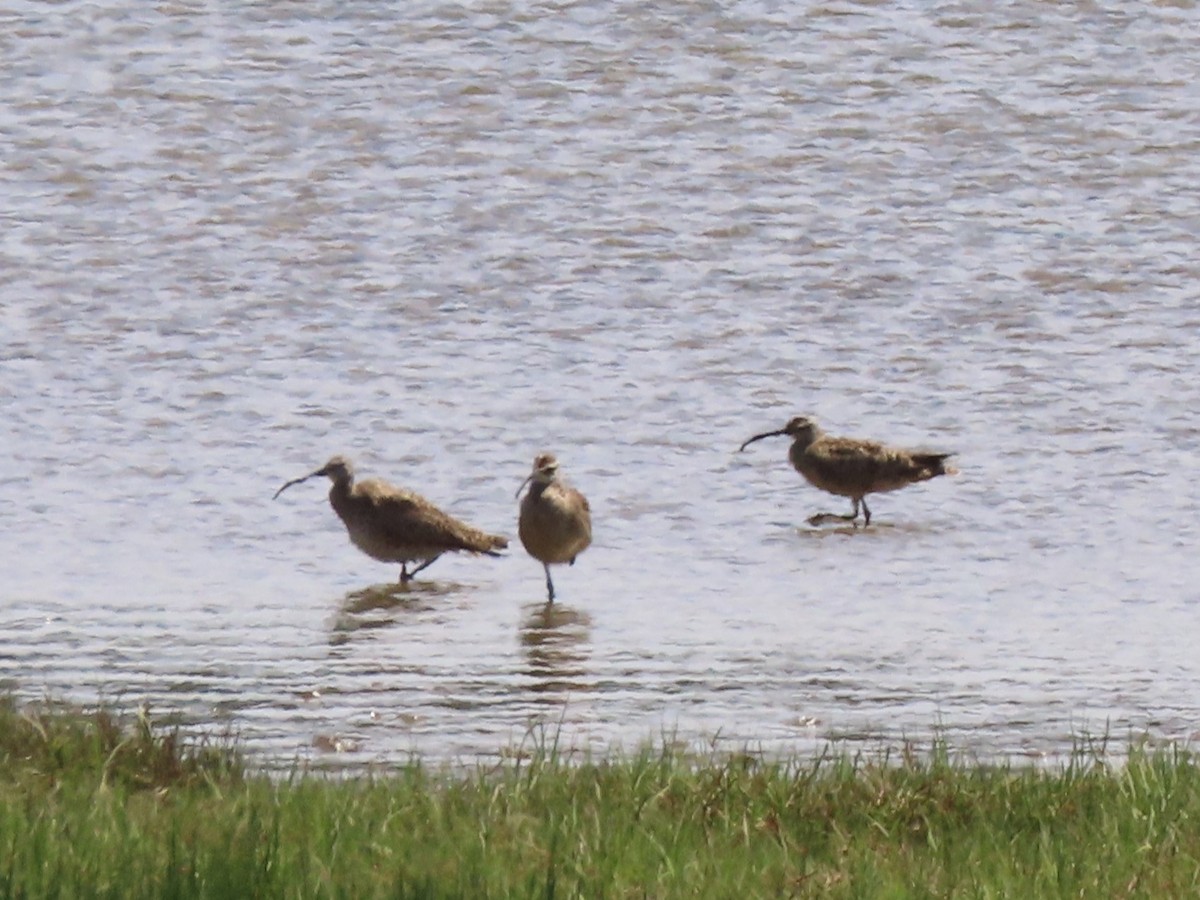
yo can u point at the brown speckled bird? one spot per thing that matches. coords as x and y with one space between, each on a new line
853 468
555 523
393 525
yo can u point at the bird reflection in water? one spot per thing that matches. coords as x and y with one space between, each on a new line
382 605
555 640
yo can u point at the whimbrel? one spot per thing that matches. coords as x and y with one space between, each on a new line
853 468
393 525
555 524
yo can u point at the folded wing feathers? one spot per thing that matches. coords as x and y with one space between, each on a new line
410 518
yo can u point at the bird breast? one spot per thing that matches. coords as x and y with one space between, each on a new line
555 524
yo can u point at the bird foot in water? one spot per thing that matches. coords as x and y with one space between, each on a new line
406 576
822 518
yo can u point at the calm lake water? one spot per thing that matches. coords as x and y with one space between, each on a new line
442 238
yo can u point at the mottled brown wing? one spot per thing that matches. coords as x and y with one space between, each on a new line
853 465
409 518
864 467
587 516
852 448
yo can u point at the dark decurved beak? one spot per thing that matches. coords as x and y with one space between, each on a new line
528 478
759 437
298 480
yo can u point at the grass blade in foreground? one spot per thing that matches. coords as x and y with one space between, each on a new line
90 807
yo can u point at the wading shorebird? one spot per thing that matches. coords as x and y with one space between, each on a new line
393 525
555 524
853 468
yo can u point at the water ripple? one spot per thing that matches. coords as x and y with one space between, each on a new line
443 239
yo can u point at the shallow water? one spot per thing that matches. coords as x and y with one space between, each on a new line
441 240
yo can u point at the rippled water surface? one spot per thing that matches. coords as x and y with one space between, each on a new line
440 239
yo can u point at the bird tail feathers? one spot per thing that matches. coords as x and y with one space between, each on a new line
935 463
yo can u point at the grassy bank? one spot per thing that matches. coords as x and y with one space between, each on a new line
92 806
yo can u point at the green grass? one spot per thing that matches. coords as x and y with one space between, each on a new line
93 806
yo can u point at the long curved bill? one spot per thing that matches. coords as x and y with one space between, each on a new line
528 478
295 481
759 437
